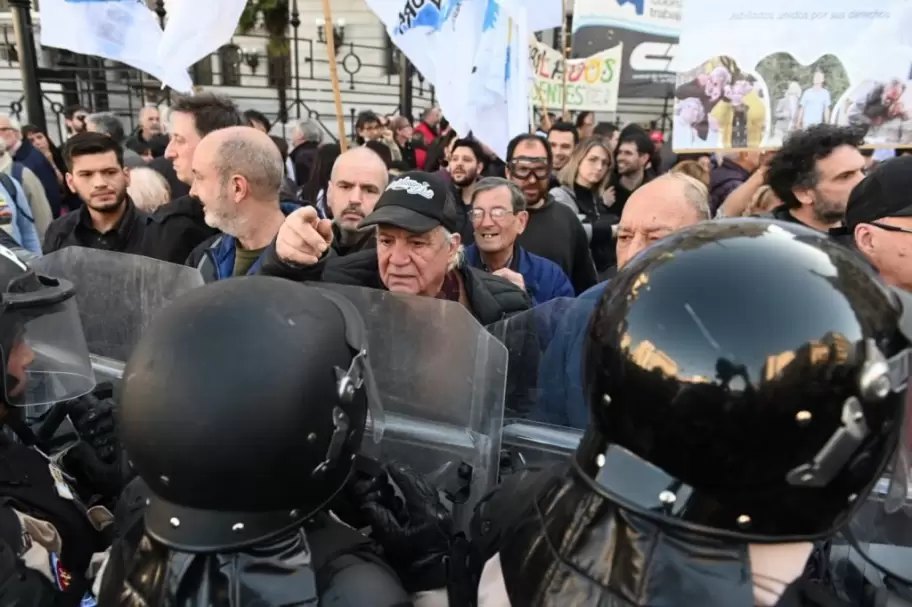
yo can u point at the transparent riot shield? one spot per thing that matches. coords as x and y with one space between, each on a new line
118 294
543 346
441 377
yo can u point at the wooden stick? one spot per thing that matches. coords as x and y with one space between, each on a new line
565 41
538 94
330 32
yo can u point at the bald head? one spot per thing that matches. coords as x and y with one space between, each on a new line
245 153
358 178
363 156
658 208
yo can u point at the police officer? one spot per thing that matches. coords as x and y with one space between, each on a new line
747 386
50 529
242 411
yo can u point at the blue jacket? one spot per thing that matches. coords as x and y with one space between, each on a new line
545 280
561 398
214 258
22 224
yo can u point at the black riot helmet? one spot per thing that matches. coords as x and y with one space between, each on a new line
42 346
243 406
747 380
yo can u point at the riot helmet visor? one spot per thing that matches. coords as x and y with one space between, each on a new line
44 353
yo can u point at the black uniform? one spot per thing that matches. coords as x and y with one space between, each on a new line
746 382
50 527
242 410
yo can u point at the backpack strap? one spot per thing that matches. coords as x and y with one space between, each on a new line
18 170
11 185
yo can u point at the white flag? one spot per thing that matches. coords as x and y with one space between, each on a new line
196 29
119 30
476 54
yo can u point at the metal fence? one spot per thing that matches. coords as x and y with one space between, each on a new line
287 87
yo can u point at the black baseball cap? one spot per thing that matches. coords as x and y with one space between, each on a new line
885 192
417 202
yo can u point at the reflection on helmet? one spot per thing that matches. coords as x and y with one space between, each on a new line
746 379
42 345
243 406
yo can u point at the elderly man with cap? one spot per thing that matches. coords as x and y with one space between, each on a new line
878 220
418 251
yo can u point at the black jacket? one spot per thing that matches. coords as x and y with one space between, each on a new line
75 230
175 229
619 558
28 488
555 232
490 297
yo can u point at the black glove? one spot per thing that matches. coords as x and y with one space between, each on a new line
92 475
416 534
94 420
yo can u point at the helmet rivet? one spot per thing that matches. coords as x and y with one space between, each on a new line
164 479
148 501
237 527
667 497
600 460
744 521
606 400
293 514
852 498
175 522
312 437
803 417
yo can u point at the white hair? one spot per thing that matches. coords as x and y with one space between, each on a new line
309 130
696 194
458 260
14 122
690 102
148 189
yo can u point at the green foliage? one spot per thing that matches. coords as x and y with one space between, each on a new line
780 69
274 15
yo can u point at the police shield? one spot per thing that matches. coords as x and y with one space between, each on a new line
544 383
441 377
117 294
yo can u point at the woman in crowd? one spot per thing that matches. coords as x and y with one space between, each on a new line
43 144
584 188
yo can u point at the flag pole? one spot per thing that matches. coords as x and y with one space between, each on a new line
565 41
330 34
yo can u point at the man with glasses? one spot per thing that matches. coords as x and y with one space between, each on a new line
553 230
879 218
499 216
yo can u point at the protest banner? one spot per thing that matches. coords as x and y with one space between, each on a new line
645 32
591 83
748 75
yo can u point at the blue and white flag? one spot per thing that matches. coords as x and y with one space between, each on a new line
476 54
120 30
